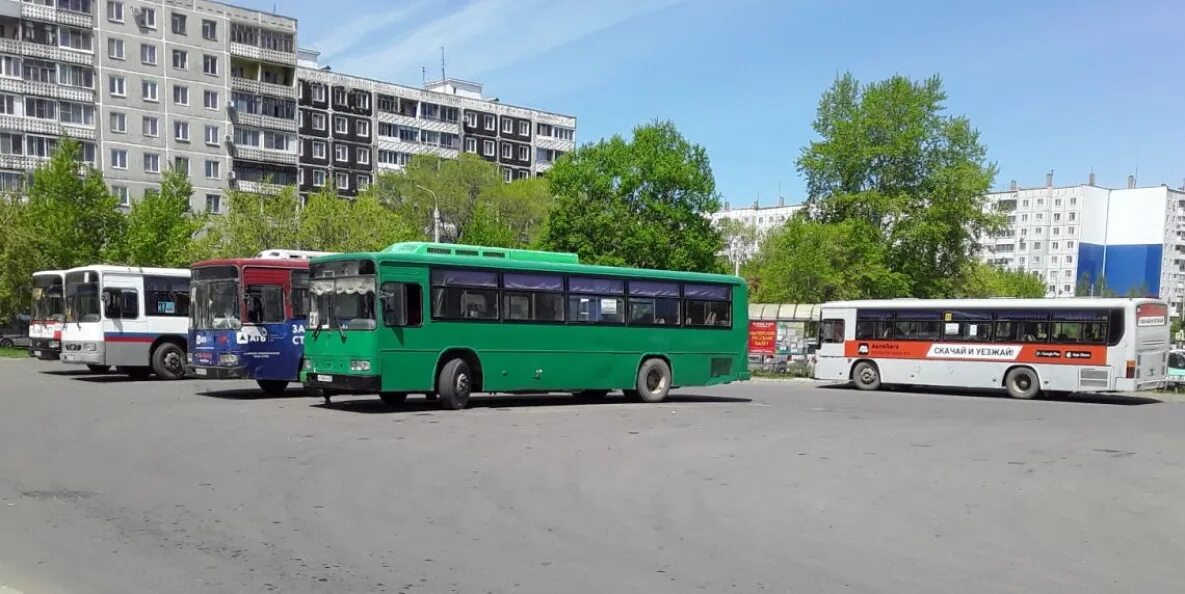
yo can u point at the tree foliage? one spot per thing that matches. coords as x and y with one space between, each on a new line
453 185
983 280
639 202
329 223
740 241
160 228
893 165
255 222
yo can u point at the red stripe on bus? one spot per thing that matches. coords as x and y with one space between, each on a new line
1056 354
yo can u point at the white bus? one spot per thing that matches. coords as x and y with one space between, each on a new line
45 325
136 319
290 254
1025 346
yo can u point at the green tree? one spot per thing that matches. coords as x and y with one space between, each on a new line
332 224
521 207
324 221
983 280
428 182
18 256
255 222
740 241
160 228
889 156
639 202
485 228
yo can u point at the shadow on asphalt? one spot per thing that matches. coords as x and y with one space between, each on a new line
420 404
1084 398
69 372
115 378
253 394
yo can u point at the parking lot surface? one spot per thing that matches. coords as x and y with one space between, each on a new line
114 485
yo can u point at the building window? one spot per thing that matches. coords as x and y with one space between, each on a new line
318 178
318 92
119 122
341 125
119 158
524 153
147 18
115 48
121 194
1036 245
362 128
115 15
363 156
339 96
487 148
213 203
1069 259
506 151
148 54
363 182
318 149
507 125
1073 201
210 65
181 164
470 119
213 169
488 122
181 59
209 30
343 181
1073 216
1057 216
148 91
210 99
507 175
341 153
1069 245
564 133
116 85
181 131
318 121
1069 231
152 162
524 128
150 127
178 23
211 135
181 94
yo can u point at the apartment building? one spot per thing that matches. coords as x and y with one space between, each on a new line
763 219
353 128
1081 237
47 82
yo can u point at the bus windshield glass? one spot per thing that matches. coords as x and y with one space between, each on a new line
345 303
215 304
48 305
82 297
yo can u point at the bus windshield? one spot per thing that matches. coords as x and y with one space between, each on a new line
345 302
215 305
82 297
48 305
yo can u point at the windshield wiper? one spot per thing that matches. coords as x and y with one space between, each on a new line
340 331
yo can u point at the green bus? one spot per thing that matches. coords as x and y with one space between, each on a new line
448 320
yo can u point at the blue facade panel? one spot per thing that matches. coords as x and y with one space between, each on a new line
1126 268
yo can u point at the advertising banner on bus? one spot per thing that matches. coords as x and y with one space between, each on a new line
763 337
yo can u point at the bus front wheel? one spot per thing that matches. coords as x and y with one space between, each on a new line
454 384
1022 383
866 376
168 361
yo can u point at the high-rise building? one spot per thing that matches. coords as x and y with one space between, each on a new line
353 127
212 88
1084 239
763 220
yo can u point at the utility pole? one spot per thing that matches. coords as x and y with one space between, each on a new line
435 214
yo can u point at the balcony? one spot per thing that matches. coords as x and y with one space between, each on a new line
44 89
37 12
389 117
251 153
257 87
22 162
252 52
47 127
49 52
255 187
554 144
416 148
262 121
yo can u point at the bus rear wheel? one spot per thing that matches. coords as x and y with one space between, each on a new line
98 368
866 376
168 361
393 397
272 387
654 381
454 384
1022 383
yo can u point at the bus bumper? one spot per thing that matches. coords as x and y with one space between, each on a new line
84 357
41 349
337 382
213 372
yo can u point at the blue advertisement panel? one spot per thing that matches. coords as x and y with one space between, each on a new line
255 351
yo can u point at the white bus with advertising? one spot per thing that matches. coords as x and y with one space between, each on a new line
136 319
45 324
1028 347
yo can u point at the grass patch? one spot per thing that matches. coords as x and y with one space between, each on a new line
14 353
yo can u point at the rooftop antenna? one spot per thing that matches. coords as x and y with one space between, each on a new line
442 76
424 75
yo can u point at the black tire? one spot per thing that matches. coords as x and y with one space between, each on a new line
654 381
866 376
6 343
591 395
136 372
273 387
454 384
98 368
168 361
1022 383
393 398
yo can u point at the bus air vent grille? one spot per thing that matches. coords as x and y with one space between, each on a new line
1094 378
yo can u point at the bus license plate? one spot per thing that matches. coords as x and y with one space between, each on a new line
36 353
201 371
325 378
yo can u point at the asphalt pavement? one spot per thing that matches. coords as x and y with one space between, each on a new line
114 485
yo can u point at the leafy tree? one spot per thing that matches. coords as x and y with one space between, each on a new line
427 182
740 241
983 280
639 202
890 157
1087 287
160 228
521 207
485 228
255 222
18 256
332 224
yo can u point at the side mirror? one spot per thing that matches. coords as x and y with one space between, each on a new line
394 299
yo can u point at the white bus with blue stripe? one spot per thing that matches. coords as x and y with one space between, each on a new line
135 319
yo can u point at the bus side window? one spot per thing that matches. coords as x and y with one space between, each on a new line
265 304
831 332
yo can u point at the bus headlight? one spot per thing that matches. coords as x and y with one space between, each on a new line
308 364
228 359
189 358
357 365
53 344
90 346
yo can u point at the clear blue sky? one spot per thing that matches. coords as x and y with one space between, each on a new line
1052 84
